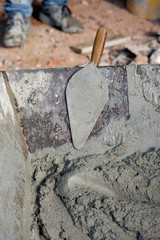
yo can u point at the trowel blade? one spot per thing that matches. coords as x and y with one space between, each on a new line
87 94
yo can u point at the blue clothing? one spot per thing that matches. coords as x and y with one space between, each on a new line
25 6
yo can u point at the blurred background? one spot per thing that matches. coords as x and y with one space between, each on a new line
132 38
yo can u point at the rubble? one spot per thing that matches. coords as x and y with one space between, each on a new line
123 57
155 57
139 49
140 60
10 64
125 51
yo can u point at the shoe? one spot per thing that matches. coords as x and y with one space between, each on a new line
16 30
59 16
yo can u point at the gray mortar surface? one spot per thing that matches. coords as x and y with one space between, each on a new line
115 199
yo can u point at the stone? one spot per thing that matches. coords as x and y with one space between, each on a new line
140 60
155 57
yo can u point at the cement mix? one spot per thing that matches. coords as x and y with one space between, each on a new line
98 195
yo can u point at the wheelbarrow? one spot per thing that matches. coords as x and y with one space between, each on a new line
34 123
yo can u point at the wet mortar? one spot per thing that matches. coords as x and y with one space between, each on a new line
115 200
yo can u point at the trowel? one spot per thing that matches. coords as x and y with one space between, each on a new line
87 94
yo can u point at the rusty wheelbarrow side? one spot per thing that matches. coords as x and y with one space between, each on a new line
41 105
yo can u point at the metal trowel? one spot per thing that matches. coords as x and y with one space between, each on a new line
87 94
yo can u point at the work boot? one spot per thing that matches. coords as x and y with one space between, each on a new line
59 16
16 30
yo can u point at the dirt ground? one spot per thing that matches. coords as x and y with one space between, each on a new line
50 48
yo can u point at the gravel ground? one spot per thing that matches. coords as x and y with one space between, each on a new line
50 48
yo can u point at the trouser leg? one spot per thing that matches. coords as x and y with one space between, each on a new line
22 6
46 4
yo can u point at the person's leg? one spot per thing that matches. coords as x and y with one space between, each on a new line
18 22
14 6
57 14
49 3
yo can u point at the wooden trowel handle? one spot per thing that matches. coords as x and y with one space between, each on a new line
98 45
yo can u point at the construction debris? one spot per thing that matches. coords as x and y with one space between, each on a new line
142 48
122 57
87 47
140 60
155 57
125 51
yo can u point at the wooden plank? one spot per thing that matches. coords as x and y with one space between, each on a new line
87 47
